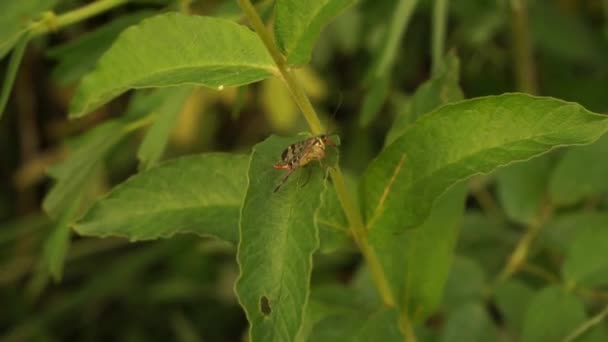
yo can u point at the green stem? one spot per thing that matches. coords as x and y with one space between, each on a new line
518 258
488 204
405 325
439 23
285 73
595 320
522 48
352 214
52 22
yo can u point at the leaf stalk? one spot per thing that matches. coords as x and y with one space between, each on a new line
50 22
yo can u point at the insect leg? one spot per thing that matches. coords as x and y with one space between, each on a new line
284 180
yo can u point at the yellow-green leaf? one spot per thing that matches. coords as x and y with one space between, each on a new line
174 49
198 194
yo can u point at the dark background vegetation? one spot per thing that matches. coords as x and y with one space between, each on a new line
182 288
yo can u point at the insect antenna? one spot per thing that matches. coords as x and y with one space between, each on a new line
333 115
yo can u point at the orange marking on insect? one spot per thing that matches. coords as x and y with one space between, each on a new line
281 166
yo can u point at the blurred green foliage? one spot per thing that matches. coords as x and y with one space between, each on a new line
517 254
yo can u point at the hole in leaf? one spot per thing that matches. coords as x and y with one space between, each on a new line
265 306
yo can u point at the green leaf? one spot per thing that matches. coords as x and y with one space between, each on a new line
156 138
298 23
469 322
11 71
199 194
553 314
374 100
417 262
463 139
397 26
77 57
379 75
521 188
563 35
564 228
15 19
174 49
73 174
57 244
586 262
439 90
359 327
278 238
465 283
580 173
512 298
338 315
333 226
487 241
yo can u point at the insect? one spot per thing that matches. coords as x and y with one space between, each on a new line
302 153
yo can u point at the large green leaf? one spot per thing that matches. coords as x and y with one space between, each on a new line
459 140
156 138
417 262
174 49
553 314
298 23
77 57
15 18
587 261
199 194
580 173
278 238
439 90
521 188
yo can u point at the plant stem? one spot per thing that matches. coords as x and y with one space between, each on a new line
439 23
518 258
51 22
352 214
487 203
405 325
595 320
298 94
522 47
